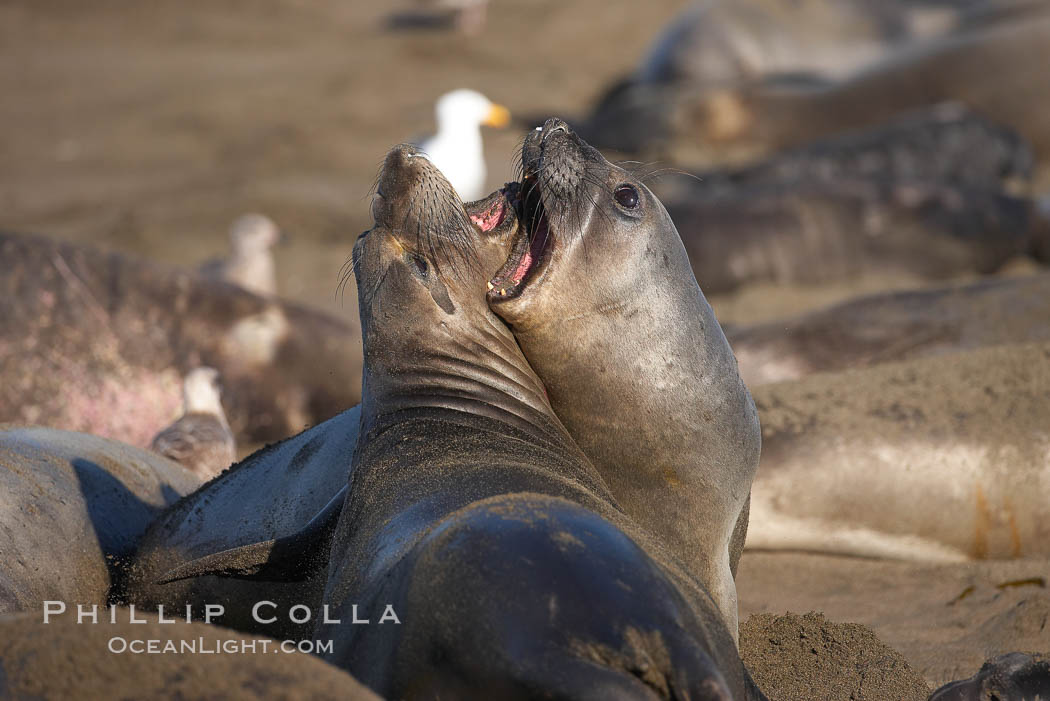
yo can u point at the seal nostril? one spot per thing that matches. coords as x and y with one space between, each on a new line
553 126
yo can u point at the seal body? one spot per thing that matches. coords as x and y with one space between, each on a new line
605 306
472 514
269 495
935 459
930 194
895 326
73 508
120 333
990 66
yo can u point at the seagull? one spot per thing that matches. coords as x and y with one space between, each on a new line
250 264
200 440
456 149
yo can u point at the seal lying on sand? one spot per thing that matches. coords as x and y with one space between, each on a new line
600 296
932 194
73 508
725 43
993 69
934 459
895 326
99 342
96 659
473 515
256 508
1013 676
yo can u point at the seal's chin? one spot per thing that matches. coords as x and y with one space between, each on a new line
530 250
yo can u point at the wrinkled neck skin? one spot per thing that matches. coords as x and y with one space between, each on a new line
466 361
640 373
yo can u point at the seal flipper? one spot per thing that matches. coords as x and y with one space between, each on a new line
292 558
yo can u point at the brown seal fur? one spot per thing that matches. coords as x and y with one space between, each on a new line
99 342
603 302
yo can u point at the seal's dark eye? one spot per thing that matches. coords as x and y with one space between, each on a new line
627 196
420 264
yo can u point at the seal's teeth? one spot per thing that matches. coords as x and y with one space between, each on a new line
503 293
489 285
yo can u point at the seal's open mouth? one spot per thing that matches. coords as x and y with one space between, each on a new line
531 247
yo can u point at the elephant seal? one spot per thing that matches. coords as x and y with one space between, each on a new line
1013 676
936 459
602 300
256 508
72 510
473 515
727 43
930 194
990 66
99 342
97 659
895 326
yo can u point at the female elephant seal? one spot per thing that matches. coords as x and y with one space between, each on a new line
937 459
602 300
471 512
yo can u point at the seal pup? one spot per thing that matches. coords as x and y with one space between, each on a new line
199 440
95 658
73 507
602 300
457 147
1007 677
472 514
100 342
938 459
895 326
250 264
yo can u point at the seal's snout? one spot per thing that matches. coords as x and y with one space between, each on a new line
400 168
554 125
410 187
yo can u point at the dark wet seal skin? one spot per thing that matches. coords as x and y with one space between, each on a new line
600 296
472 512
1015 676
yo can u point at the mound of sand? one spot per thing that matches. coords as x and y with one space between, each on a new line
810 658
